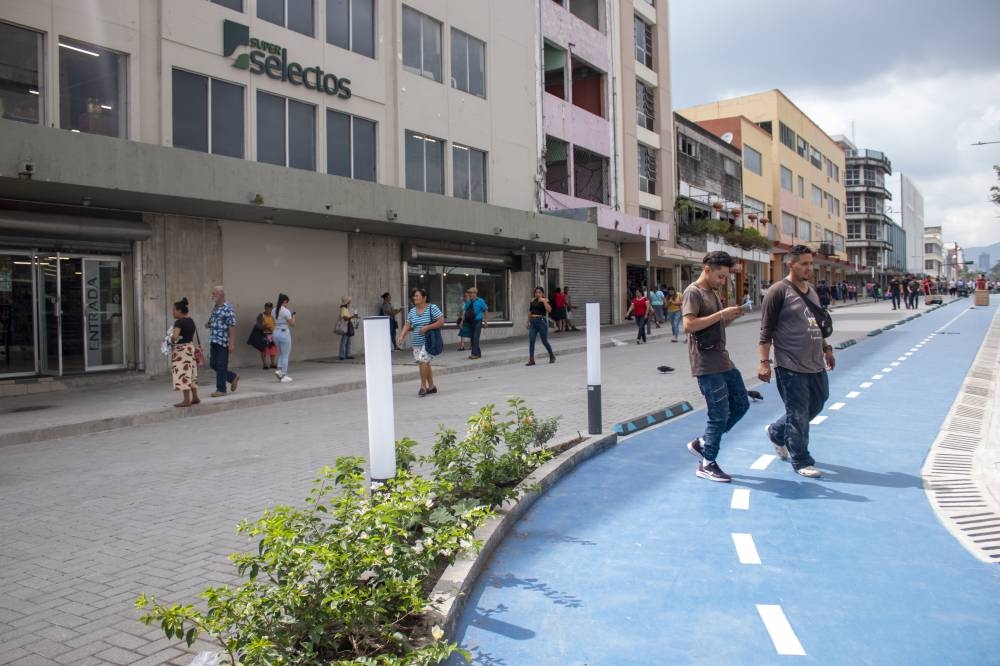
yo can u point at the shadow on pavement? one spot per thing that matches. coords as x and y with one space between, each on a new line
862 477
795 490
533 585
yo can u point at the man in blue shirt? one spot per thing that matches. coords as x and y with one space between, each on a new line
476 312
656 298
222 325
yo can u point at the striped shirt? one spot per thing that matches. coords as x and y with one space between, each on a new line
431 314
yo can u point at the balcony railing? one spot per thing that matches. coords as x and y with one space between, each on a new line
876 155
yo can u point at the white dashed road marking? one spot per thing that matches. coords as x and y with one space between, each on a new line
895 364
838 405
886 370
741 499
867 385
763 461
876 377
745 548
853 394
817 420
901 358
784 638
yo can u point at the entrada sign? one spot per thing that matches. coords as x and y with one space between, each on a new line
272 60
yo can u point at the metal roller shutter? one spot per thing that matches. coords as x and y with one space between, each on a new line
589 280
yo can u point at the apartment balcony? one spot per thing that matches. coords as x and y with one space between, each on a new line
874 243
867 188
612 225
873 157
868 216
576 125
563 28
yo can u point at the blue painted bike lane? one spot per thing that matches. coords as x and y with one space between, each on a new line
631 559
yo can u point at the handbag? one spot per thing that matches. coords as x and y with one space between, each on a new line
433 342
199 353
823 318
341 327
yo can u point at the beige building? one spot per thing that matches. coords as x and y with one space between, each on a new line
150 149
805 178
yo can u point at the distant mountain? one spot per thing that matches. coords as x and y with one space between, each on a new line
972 254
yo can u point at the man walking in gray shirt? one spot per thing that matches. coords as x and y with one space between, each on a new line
720 382
801 359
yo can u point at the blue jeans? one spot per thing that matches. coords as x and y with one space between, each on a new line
538 326
675 323
727 402
345 346
220 363
477 331
284 341
804 394
640 321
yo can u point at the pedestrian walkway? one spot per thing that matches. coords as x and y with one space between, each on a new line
631 559
101 407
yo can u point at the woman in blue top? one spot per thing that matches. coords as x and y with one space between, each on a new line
422 317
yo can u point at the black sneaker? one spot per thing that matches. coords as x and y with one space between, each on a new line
780 449
712 472
694 446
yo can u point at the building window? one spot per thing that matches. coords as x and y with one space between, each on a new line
802 148
753 205
816 158
468 63
836 172
853 231
556 165
751 160
350 24
286 132
874 177
871 230
838 242
424 163
648 213
468 173
729 167
590 176
786 178
853 202
805 229
643 42
852 176
645 105
20 83
647 169
687 146
788 223
207 114
421 44
91 89
787 135
446 286
297 15
235 5
802 187
350 146
817 196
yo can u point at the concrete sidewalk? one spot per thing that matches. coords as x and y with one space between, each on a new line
84 409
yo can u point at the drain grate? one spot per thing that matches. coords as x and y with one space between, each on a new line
949 474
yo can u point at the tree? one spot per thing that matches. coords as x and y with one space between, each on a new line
995 190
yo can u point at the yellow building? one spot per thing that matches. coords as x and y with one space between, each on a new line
800 180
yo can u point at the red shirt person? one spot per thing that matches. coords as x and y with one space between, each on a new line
639 307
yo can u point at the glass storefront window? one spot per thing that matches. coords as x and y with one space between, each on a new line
91 89
447 284
20 63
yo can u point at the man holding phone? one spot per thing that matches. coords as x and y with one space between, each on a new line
705 321
801 358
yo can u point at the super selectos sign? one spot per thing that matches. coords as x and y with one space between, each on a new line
271 60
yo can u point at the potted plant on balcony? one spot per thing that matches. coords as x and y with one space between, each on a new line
717 205
752 217
735 212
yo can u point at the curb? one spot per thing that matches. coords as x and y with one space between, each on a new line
452 590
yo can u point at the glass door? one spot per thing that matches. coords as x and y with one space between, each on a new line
103 320
49 321
18 332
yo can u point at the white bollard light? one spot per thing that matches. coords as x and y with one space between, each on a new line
378 391
594 368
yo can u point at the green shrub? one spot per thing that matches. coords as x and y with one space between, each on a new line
705 226
494 456
340 581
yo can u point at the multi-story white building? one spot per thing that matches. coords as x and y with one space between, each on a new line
911 217
934 252
150 149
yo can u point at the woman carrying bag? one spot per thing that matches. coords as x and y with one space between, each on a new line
284 320
183 356
424 320
345 328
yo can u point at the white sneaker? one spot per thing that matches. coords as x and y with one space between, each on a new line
277 373
285 379
810 471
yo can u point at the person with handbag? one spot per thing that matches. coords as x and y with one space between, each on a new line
345 327
389 310
423 321
284 320
464 322
476 314
538 311
794 323
720 382
183 361
261 337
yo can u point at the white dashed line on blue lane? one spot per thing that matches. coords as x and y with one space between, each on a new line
853 394
778 628
838 406
741 499
762 462
746 550
818 420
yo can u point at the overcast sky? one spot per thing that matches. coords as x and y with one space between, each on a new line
919 79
